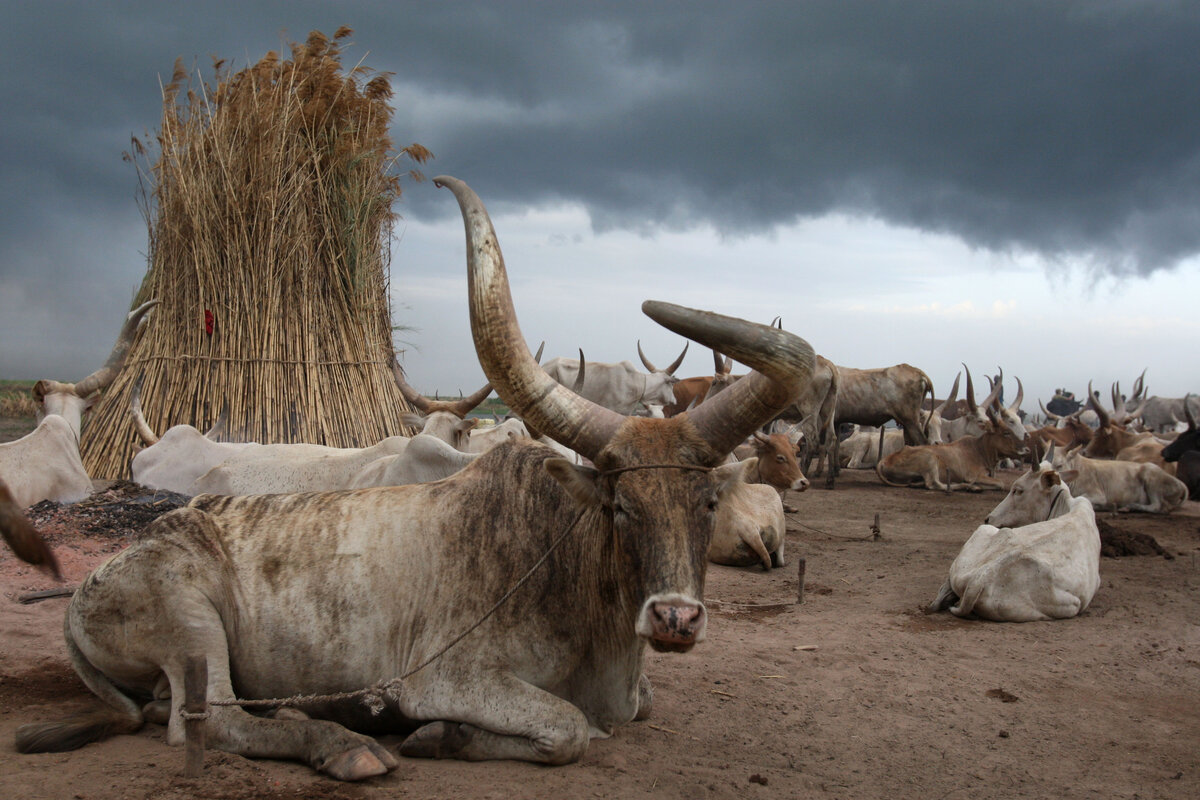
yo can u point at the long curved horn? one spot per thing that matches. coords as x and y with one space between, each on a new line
675 364
1097 407
578 387
1015 406
1139 385
783 363
551 408
669 370
993 398
1187 412
971 404
144 431
101 378
459 408
950 398
717 362
645 361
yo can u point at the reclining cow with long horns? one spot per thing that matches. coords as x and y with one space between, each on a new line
332 592
45 464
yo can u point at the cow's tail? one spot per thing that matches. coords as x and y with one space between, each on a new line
932 402
970 597
879 463
119 715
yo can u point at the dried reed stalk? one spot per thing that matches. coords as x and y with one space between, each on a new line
269 216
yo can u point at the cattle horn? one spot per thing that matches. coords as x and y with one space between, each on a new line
459 408
1187 412
971 404
1097 407
579 379
144 431
1016 404
551 408
669 370
992 401
101 378
1139 386
782 361
941 408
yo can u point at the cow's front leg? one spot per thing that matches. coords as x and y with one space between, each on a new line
500 717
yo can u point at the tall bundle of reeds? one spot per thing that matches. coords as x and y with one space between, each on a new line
269 215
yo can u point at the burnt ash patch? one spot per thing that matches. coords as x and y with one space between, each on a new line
121 511
1118 543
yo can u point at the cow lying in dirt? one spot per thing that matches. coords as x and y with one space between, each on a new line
750 525
1037 557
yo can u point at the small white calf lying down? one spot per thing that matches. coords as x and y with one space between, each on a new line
750 522
1121 485
1046 565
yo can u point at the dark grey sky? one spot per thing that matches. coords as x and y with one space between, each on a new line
1069 131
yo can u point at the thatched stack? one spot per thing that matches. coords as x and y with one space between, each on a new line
269 214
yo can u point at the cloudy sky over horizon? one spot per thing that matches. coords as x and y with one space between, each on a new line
1000 183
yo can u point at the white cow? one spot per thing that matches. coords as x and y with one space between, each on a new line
1037 557
286 471
426 458
1120 485
750 524
619 387
174 461
45 463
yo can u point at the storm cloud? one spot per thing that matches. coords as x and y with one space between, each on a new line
1064 130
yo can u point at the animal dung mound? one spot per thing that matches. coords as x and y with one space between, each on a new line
1118 543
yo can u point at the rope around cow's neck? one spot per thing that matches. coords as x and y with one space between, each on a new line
374 696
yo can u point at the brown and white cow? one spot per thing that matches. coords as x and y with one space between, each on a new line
45 464
750 524
874 396
1114 440
967 463
332 592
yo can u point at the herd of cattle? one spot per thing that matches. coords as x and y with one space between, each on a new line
606 494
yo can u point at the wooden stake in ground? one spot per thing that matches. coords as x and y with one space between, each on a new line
195 707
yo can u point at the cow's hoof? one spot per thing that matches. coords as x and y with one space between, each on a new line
354 765
645 692
439 739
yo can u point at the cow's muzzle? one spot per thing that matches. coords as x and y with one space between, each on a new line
672 623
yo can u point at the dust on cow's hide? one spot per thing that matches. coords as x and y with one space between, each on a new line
1117 543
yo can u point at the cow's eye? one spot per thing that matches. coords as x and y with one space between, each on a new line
780 459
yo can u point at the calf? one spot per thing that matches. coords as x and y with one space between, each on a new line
1037 557
749 528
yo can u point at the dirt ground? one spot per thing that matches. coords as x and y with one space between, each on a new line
856 693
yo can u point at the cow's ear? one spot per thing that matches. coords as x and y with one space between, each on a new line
1049 479
582 483
1069 475
729 475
